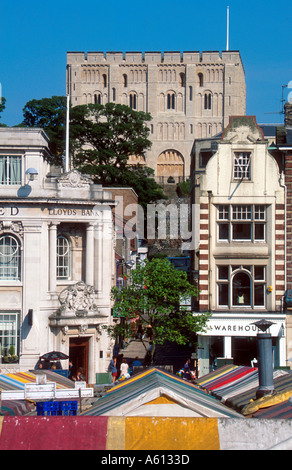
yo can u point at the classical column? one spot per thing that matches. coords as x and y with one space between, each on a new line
98 257
52 257
89 276
227 347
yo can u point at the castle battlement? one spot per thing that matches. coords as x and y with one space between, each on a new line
153 57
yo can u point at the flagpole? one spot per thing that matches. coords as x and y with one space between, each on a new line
227 40
67 136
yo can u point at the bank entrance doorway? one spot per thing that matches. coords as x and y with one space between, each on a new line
79 353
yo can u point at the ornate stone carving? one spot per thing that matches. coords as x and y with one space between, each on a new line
15 227
74 179
82 329
79 299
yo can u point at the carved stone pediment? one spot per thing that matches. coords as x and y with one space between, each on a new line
75 179
242 130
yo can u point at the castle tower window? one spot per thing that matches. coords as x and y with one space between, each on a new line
63 258
207 101
201 79
104 80
10 258
191 93
125 80
114 94
97 98
133 100
171 100
182 78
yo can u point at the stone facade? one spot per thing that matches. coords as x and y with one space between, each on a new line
189 95
56 257
240 259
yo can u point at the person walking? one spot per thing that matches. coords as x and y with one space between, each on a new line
124 369
113 368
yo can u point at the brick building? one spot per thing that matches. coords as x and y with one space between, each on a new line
239 195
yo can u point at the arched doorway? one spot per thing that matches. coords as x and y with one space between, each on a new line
170 165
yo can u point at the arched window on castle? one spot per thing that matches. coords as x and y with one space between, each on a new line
207 100
170 100
133 100
10 258
125 80
182 79
104 80
97 98
201 79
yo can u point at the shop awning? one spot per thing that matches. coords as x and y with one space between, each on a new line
17 381
236 387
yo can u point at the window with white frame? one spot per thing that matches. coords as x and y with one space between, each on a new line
242 165
10 258
241 286
10 169
241 222
9 332
63 258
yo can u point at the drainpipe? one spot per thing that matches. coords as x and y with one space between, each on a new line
209 249
282 178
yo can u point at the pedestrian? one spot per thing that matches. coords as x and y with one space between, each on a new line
70 370
124 369
79 376
113 368
136 362
187 370
116 350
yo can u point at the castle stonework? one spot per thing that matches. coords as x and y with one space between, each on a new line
189 95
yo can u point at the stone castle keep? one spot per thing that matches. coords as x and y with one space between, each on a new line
189 95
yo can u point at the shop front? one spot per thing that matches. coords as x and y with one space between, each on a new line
232 339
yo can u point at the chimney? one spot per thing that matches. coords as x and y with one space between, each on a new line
288 114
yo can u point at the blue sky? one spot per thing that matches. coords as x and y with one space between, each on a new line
36 35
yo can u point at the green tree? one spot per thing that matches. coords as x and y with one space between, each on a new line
50 115
156 294
2 107
103 137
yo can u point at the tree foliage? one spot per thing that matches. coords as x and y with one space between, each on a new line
103 139
2 107
50 115
156 294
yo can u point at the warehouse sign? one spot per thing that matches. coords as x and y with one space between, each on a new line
242 326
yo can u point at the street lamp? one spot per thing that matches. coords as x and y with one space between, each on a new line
32 174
